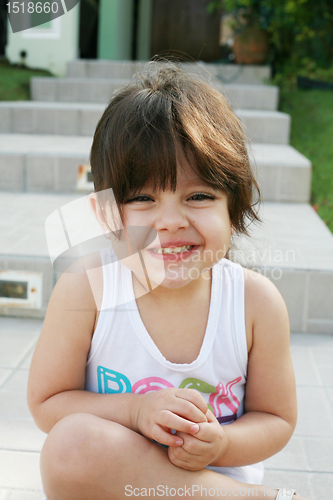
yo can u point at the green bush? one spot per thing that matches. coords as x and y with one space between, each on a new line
298 29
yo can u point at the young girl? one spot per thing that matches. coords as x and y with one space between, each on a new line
173 378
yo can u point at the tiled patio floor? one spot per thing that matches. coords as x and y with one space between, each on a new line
305 464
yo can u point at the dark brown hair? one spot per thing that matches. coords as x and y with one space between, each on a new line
137 139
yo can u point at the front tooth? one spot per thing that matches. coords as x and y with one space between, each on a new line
174 250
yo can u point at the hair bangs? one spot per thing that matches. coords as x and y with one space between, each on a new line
156 120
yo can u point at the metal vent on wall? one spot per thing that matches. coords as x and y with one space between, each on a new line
21 289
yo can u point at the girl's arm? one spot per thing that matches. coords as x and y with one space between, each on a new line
270 397
57 373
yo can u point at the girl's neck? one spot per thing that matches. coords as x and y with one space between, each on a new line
174 296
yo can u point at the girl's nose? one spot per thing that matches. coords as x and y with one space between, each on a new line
171 217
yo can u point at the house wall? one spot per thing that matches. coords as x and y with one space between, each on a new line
115 29
144 30
52 45
48 46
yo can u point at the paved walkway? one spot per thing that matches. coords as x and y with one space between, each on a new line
306 463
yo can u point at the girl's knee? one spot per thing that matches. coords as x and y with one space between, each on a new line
74 449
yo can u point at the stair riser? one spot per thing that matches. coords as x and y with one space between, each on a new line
73 90
305 293
40 173
267 130
227 73
74 122
96 91
284 184
265 99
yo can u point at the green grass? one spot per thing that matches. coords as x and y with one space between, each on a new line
14 81
312 135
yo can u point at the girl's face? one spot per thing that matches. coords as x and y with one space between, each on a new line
192 224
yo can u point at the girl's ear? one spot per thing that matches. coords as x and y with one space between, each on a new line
106 212
97 211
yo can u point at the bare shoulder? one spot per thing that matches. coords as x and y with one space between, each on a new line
73 292
270 385
77 294
265 310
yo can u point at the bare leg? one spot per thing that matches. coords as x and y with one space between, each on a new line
86 457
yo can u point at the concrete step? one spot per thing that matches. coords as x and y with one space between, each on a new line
30 117
42 163
292 247
259 97
271 127
48 89
283 173
89 90
226 73
50 163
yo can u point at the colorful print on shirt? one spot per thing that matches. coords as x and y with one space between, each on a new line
220 397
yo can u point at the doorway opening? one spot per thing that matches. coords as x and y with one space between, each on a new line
89 15
3 27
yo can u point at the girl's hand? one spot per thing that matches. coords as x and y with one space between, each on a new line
202 448
155 413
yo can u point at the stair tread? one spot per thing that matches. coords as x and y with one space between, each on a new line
44 144
291 236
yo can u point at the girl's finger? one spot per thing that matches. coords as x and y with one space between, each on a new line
194 397
192 446
211 417
207 432
173 421
166 438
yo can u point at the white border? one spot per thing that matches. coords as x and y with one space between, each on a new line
48 33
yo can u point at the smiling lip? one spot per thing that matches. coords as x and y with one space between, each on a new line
173 256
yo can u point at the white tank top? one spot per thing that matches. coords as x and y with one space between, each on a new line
124 358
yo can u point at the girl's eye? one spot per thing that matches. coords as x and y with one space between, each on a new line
202 196
139 198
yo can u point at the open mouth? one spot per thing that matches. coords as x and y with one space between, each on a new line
173 253
172 250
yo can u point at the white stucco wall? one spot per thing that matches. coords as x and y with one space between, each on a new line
50 47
